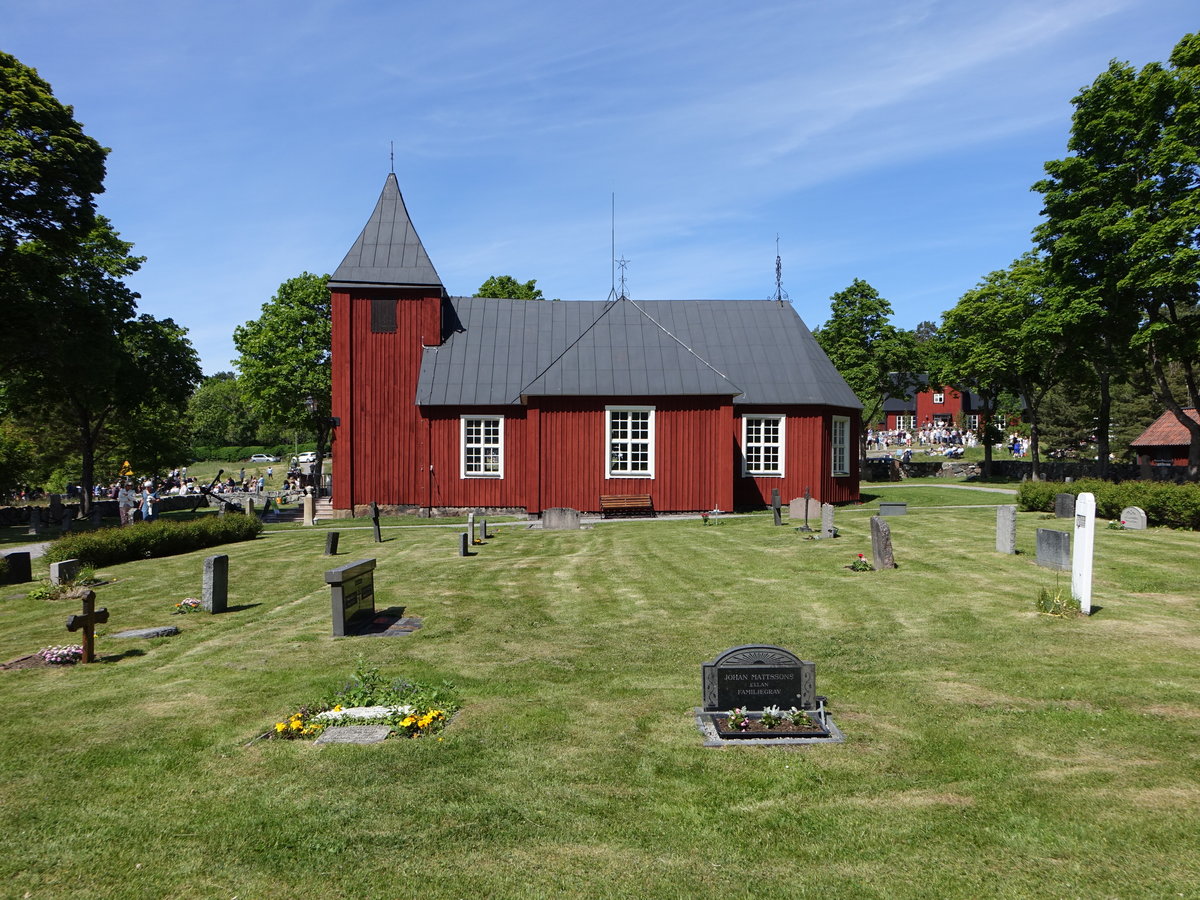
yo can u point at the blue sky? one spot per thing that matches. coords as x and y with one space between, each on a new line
889 140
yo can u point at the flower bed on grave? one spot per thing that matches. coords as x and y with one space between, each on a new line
771 722
408 708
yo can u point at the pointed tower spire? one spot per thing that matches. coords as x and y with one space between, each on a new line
388 253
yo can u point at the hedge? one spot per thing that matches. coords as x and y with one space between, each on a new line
145 540
1165 503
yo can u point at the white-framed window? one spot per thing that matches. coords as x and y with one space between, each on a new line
906 423
481 449
973 421
629 447
939 397
839 439
762 445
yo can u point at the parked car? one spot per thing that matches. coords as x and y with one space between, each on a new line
308 456
264 458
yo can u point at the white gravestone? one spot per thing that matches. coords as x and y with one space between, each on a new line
1133 518
1081 551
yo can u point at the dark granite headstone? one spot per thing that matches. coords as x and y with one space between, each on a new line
464 544
778 515
1064 506
20 567
755 676
214 595
776 502
352 595
331 543
1054 549
375 521
37 519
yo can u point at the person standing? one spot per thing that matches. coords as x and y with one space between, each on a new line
126 501
149 499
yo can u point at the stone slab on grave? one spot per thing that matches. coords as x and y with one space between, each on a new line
1133 518
893 509
1054 549
159 631
352 595
560 518
1064 506
353 734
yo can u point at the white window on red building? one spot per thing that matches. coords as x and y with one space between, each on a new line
839 439
482 446
763 444
939 397
630 446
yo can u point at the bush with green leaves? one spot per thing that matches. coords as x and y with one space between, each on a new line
146 540
1165 503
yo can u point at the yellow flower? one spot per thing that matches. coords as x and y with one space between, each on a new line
338 708
280 726
408 720
296 725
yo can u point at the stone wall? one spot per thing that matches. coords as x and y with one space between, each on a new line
883 469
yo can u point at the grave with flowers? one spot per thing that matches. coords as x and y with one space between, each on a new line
759 693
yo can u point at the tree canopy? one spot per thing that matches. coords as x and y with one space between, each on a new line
284 363
1122 224
507 287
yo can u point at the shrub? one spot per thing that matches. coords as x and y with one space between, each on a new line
144 540
1174 505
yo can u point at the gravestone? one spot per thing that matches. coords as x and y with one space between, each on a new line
310 508
87 621
1081 555
352 595
802 508
483 532
1006 529
375 522
893 509
1064 506
755 676
881 544
1054 549
20 567
54 512
37 519
67 520
1133 518
214 595
464 544
827 529
331 543
778 515
559 518
65 572
776 505
471 528
248 505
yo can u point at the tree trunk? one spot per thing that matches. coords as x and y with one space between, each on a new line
1103 416
87 475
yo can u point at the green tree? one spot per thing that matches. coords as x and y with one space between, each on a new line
877 359
507 287
49 173
284 363
92 365
1006 334
218 414
1122 228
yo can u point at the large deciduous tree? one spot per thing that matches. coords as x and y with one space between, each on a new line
877 359
1006 334
49 173
284 366
1122 227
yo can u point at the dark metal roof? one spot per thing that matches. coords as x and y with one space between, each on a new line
388 252
756 351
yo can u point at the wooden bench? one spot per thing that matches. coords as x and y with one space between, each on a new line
626 505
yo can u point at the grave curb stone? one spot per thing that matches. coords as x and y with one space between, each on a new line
159 631
353 734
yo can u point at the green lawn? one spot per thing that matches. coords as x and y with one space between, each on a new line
990 752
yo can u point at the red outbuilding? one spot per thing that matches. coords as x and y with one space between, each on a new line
448 403
1166 442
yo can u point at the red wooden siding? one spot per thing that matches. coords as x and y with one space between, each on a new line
808 458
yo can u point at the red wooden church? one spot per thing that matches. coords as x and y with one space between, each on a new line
463 402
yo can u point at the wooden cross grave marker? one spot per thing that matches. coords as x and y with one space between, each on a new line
87 621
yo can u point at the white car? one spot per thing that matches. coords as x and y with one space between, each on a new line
308 456
263 458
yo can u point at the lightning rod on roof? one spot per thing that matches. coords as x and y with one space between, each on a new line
612 256
392 155
780 293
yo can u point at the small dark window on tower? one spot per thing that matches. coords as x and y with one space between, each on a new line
383 316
